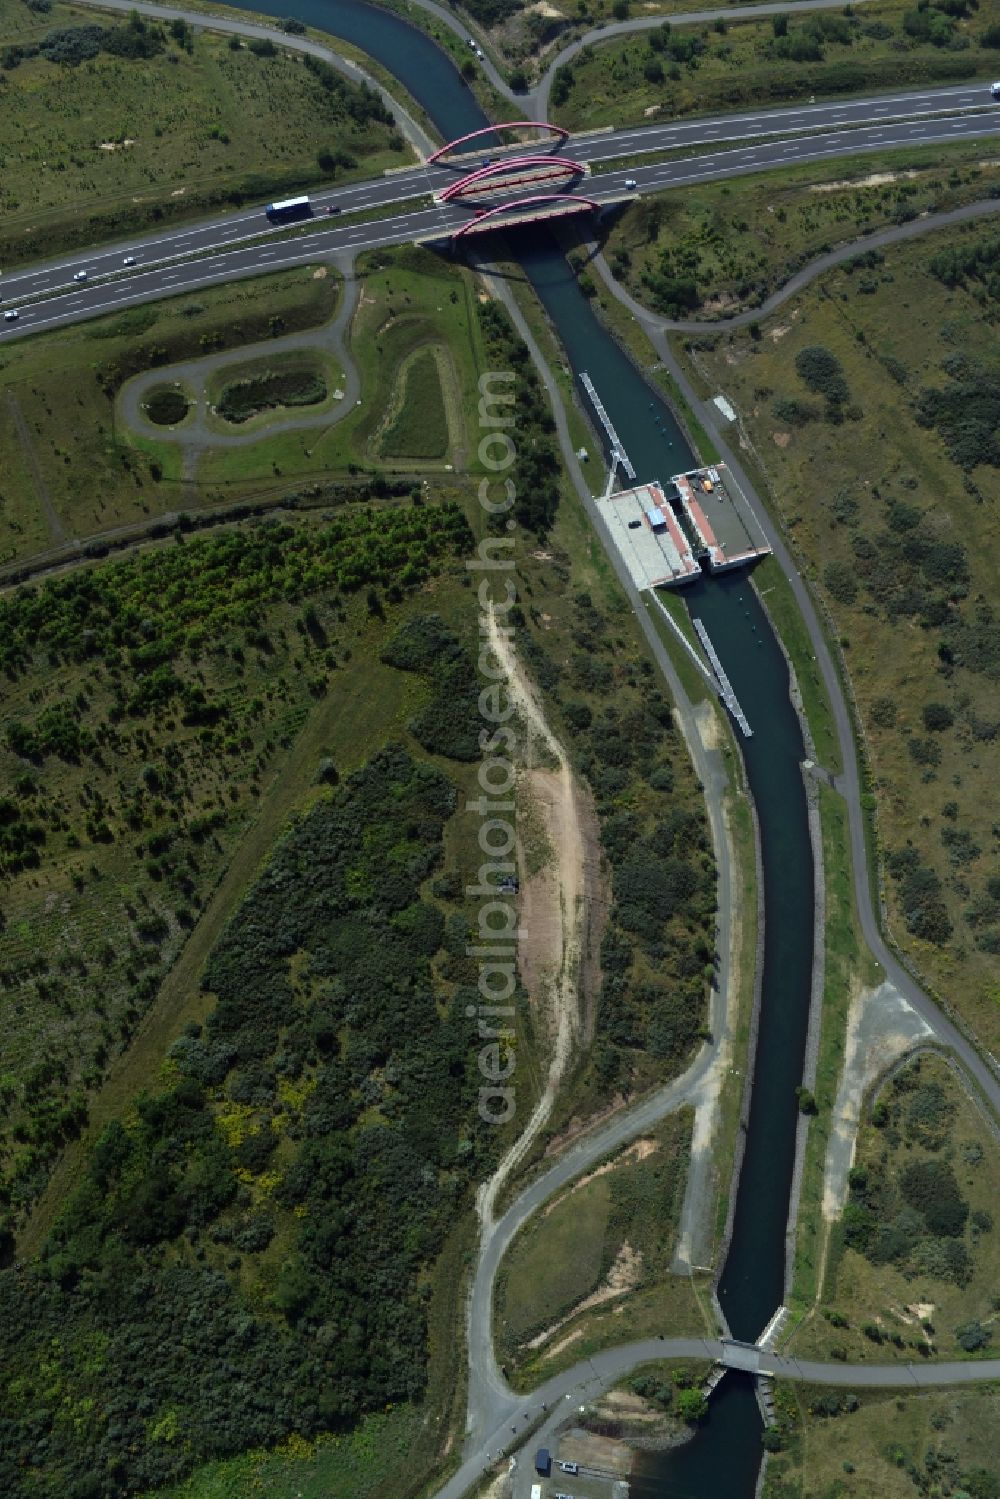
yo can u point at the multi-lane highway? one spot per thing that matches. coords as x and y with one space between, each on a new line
242 243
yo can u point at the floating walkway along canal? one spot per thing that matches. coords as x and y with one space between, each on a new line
723 1458
725 687
618 453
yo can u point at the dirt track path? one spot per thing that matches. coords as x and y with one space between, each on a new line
559 801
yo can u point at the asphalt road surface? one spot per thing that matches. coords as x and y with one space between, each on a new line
582 1384
243 243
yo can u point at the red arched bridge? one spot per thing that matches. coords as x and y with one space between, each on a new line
443 153
526 211
514 173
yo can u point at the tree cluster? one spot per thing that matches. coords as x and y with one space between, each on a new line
136 39
965 412
908 1210
245 398
448 723
357 102
535 473
329 1098
147 611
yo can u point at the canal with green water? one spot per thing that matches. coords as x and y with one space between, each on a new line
723 1459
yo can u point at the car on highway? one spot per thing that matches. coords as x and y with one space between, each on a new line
995 90
129 260
631 184
11 315
334 208
80 275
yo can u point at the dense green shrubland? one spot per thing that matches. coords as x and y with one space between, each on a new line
909 1211
448 723
657 952
536 472
151 695
323 1097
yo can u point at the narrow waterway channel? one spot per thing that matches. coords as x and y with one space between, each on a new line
723 1460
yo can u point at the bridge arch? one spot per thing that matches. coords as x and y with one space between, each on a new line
558 133
477 224
500 169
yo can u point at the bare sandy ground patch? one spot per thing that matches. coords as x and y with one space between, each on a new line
561 905
881 1026
874 179
592 1451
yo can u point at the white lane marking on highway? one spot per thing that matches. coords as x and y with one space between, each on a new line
418 221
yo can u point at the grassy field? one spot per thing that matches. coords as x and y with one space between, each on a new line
420 427
72 475
613 1231
897 537
779 600
411 302
904 1294
847 964
702 69
893 1445
117 143
615 1228
714 248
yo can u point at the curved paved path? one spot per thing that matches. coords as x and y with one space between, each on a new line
496 1416
535 101
554 1400
487 1391
196 433
543 88
803 276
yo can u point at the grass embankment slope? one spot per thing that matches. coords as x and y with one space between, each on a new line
888 1444
685 70
593 1267
870 404
847 966
72 475
101 143
712 249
